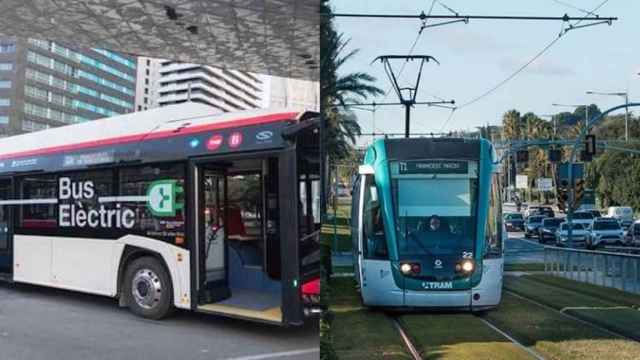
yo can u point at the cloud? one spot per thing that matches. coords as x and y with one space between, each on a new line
545 66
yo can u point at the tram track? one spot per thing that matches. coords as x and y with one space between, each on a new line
569 316
515 342
415 354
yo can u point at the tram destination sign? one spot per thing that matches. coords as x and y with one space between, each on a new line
433 167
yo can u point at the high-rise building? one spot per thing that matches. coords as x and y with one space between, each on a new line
45 84
295 93
227 90
148 83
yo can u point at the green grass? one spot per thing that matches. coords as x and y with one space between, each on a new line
567 294
610 294
342 269
524 267
358 333
435 337
555 336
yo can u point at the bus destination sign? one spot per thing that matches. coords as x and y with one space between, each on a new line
433 167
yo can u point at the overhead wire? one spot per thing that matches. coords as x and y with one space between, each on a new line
520 69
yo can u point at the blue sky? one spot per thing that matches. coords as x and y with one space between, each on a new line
476 56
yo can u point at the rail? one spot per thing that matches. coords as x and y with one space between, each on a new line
604 268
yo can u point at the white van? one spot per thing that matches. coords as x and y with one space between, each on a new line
624 214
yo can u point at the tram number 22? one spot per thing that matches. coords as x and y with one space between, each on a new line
467 255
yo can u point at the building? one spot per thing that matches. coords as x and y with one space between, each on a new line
296 93
45 84
147 83
226 90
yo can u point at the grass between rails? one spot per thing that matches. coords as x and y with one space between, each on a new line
555 336
561 293
524 267
458 336
358 333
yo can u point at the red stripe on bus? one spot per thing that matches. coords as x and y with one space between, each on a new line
257 120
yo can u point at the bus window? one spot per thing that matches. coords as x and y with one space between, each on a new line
374 242
244 216
38 216
135 181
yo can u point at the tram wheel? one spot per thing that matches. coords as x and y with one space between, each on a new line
147 288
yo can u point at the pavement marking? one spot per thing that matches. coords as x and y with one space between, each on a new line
277 354
594 308
516 342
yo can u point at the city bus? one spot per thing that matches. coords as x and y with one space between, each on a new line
427 225
180 207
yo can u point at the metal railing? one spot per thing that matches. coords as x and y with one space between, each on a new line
609 269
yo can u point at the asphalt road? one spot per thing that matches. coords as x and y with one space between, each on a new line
39 323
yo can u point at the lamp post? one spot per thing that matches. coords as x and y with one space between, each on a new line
625 95
586 111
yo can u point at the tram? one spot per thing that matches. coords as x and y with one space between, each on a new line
427 224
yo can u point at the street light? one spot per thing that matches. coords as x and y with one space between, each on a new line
586 111
625 95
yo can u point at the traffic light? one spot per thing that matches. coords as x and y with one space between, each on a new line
555 155
522 156
562 194
590 145
585 156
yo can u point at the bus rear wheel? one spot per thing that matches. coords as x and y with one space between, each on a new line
147 288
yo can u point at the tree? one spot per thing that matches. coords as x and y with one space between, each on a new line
336 90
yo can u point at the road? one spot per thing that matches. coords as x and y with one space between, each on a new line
39 323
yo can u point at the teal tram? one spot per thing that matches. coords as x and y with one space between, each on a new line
427 224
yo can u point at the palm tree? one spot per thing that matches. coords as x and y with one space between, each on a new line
337 90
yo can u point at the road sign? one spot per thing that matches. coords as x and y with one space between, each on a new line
578 171
545 184
522 181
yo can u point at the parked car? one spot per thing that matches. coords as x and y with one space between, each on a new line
624 214
532 224
530 210
596 213
578 234
547 232
583 217
605 231
632 237
546 211
514 221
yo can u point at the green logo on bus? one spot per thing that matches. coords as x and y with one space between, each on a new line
161 197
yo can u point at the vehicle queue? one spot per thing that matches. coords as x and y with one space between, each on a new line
590 229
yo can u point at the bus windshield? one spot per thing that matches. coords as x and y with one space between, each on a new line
435 211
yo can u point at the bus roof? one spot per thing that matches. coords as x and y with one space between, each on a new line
175 131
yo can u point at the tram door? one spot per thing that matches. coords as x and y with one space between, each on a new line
213 230
6 231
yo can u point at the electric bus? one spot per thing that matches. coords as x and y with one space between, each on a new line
427 225
177 207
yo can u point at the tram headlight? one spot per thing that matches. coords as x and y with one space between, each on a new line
405 268
465 266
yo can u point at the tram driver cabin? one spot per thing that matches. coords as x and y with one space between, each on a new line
176 207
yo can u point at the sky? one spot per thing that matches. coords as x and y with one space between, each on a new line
476 56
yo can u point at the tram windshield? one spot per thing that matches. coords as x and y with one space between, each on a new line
435 207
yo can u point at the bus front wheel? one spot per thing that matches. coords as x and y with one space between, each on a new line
147 288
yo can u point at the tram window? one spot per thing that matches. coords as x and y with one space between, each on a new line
355 212
374 242
38 216
493 228
135 181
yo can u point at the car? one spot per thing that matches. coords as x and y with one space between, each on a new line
583 217
596 213
624 214
546 211
514 221
532 224
578 234
632 237
605 231
530 210
548 229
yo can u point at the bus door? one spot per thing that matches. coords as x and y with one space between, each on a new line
212 232
6 228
